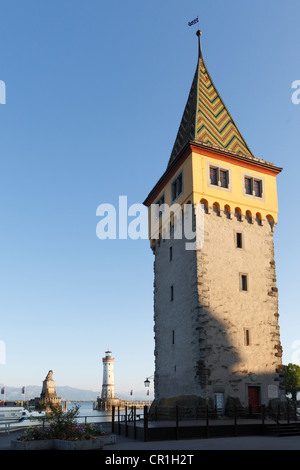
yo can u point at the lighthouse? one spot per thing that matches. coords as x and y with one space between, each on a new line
108 398
108 386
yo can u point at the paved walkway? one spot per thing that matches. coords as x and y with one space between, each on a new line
224 443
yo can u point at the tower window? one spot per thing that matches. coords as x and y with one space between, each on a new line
170 253
159 206
247 337
244 282
219 177
257 191
177 187
224 179
172 293
253 186
239 240
248 186
213 175
173 337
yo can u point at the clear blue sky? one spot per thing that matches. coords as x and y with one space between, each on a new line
95 94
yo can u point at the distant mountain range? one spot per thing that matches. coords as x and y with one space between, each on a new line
64 392
32 391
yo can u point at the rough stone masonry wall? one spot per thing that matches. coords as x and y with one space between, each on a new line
200 335
176 348
226 363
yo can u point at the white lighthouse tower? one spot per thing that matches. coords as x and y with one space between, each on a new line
108 385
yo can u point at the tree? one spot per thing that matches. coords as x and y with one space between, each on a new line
292 379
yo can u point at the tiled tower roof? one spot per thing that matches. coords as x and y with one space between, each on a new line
206 119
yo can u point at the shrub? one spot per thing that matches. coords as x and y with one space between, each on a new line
63 426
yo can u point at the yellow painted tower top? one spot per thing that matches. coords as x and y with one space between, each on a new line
213 160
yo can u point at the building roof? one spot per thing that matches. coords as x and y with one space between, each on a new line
206 119
206 123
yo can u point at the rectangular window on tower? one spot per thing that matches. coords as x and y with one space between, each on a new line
213 176
159 206
253 186
257 191
177 187
218 176
172 293
247 336
224 178
243 282
239 240
248 186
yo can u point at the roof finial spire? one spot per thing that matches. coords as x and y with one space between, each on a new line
199 44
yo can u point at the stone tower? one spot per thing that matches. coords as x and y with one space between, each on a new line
215 301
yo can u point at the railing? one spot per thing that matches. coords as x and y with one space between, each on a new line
206 416
287 413
41 421
132 415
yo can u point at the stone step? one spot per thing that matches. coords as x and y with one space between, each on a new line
292 429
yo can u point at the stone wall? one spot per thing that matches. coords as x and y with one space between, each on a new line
200 335
174 320
226 312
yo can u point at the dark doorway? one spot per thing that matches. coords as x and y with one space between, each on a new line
254 398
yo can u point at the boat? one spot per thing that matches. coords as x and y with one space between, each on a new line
18 413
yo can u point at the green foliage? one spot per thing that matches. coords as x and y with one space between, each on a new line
63 425
292 379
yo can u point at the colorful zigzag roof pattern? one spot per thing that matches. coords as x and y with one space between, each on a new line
206 119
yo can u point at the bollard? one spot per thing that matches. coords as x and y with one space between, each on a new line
145 423
113 419
134 422
207 422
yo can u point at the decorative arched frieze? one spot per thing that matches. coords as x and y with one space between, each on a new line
216 208
271 221
249 217
205 204
258 218
227 211
238 214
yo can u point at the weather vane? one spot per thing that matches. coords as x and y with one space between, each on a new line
196 20
191 23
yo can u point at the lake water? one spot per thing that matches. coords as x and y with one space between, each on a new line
92 416
86 414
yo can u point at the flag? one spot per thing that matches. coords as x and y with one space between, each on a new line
23 390
2 390
190 23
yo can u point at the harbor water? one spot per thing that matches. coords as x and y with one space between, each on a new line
89 414
86 414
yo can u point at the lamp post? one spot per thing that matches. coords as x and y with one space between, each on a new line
147 382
